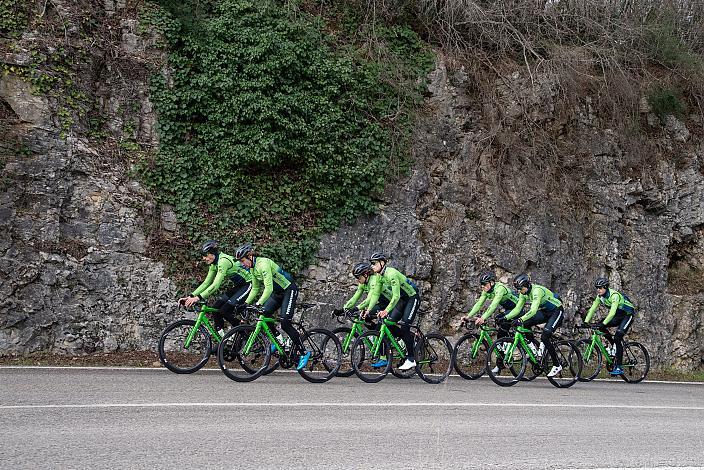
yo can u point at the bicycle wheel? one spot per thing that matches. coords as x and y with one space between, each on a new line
570 359
433 358
533 369
369 366
238 364
469 356
173 353
399 358
591 360
636 362
343 334
325 358
505 369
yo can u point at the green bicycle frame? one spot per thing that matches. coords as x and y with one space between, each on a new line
385 332
357 329
263 325
484 335
519 339
595 343
202 319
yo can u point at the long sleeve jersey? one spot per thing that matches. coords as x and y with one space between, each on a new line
268 274
374 288
541 298
222 268
500 295
615 301
399 284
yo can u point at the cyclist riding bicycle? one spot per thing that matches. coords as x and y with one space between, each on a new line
279 292
620 315
221 266
500 295
378 295
403 305
545 307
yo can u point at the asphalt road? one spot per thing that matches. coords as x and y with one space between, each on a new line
92 418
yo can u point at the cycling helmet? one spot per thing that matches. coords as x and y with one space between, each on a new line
378 256
521 281
487 277
244 250
601 282
211 246
361 269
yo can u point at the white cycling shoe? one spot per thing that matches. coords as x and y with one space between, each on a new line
407 365
495 370
554 371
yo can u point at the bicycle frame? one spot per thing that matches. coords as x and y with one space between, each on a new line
519 340
384 332
484 336
202 319
596 342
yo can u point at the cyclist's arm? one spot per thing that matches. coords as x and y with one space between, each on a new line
477 305
614 307
373 295
592 310
268 281
215 285
537 297
353 300
208 279
517 309
395 294
494 303
256 286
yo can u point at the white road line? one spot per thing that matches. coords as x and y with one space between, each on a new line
351 405
639 468
162 369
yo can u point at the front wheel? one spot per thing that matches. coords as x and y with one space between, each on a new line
433 358
570 359
469 356
243 356
591 360
636 362
178 353
344 335
371 357
505 364
325 358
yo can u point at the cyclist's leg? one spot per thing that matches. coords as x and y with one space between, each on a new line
286 312
537 319
270 307
235 297
623 327
409 315
217 316
553 323
395 315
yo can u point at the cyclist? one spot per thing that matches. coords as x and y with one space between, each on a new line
545 307
279 292
500 295
378 295
620 315
221 266
403 305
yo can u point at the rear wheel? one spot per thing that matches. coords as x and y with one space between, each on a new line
469 356
433 358
179 357
591 360
398 358
636 362
326 355
570 359
237 361
370 357
505 364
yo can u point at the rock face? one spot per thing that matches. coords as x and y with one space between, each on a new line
466 208
75 227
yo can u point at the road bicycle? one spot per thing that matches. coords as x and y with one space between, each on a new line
636 360
245 352
374 353
469 356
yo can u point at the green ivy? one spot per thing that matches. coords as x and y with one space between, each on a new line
13 17
269 130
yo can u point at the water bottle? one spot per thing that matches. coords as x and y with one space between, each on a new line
541 349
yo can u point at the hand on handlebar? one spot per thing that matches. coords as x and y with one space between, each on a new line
517 322
382 314
190 301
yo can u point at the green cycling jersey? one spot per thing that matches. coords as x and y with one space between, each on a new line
541 298
615 301
223 267
500 294
266 272
374 288
398 284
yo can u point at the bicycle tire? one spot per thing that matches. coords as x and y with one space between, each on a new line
433 358
497 358
184 362
592 362
230 354
571 361
362 357
346 369
326 355
632 374
533 370
398 359
470 366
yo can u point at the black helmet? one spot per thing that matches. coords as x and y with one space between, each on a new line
521 281
211 246
243 251
378 256
361 269
487 277
601 282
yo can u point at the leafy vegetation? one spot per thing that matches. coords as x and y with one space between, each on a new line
13 17
270 130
